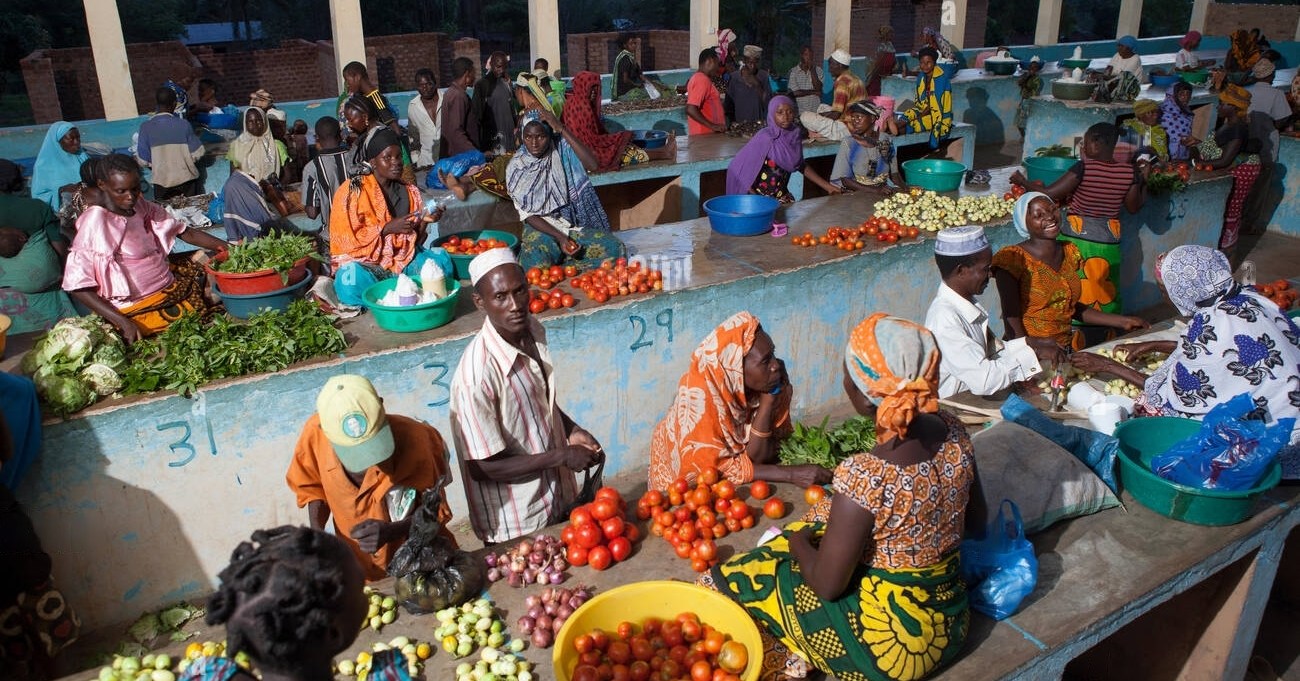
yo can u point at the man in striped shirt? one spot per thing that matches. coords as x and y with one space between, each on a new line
518 450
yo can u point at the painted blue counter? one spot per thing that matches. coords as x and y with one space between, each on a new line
159 489
1283 210
1057 121
986 102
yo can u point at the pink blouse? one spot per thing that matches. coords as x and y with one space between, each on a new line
123 258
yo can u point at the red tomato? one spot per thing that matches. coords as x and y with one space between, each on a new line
599 558
589 537
760 490
603 509
612 527
639 670
774 508
619 652
576 555
631 532
612 494
707 550
567 534
620 548
556 273
701 671
585 672
814 494
554 304
570 270
725 489
600 639
537 306
583 643
581 516
737 511
680 486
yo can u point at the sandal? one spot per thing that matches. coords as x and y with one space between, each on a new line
978 178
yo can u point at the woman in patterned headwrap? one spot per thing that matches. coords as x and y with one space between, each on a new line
1232 146
865 587
1237 341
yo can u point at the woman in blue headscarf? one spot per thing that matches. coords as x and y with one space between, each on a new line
58 165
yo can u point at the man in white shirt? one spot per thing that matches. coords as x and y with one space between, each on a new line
972 358
805 82
518 450
424 120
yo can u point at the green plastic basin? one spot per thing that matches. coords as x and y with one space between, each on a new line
1142 439
415 317
1195 77
461 262
1048 169
935 174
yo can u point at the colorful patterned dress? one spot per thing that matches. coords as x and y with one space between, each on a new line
908 615
1047 296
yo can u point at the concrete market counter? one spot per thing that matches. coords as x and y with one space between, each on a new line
139 500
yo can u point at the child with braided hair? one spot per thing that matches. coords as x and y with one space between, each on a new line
291 599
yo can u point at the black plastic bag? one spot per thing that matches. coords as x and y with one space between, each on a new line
430 572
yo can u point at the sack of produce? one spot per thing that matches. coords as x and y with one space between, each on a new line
1232 451
430 572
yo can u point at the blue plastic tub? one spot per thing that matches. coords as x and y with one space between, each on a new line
1164 81
741 214
245 306
649 139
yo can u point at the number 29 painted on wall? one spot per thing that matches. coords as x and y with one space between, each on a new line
639 327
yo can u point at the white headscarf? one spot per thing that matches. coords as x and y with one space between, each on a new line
256 155
1021 211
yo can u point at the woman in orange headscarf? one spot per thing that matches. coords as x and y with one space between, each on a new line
731 410
880 554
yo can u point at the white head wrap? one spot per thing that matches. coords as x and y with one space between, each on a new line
842 57
489 260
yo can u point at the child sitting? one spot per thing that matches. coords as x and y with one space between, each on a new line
867 159
1145 126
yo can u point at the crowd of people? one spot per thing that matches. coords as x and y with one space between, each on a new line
878 558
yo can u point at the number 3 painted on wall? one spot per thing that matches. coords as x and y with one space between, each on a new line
182 444
437 381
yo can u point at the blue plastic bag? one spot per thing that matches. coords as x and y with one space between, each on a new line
1231 451
455 166
1096 450
1000 570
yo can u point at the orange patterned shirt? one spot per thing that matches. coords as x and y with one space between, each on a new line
1047 296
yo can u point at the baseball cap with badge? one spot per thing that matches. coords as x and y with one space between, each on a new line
353 419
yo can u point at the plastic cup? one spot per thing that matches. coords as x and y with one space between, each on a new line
1104 416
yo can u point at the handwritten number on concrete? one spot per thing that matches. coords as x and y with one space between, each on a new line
665 319
182 444
638 325
442 370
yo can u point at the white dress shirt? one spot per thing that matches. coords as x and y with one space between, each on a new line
972 358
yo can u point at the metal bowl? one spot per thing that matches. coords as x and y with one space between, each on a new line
1072 91
1000 67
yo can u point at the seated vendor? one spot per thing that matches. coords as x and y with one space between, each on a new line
1039 283
866 585
867 159
766 162
612 150
119 266
1237 341
972 359
517 449
826 123
377 223
30 277
357 463
564 222
26 214
731 412
932 110
1146 130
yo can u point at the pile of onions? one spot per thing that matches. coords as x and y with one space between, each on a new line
548 611
539 560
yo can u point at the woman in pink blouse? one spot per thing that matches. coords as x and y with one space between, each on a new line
118 265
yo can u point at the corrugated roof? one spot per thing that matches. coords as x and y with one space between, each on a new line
218 32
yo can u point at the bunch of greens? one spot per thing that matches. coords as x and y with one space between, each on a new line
1165 183
190 353
1057 150
824 447
276 251
76 363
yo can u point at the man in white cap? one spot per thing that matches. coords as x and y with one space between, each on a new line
366 468
971 357
517 448
826 124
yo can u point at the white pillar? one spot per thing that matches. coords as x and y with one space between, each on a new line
1049 22
544 33
1199 9
1130 18
704 27
349 35
952 22
839 13
111 66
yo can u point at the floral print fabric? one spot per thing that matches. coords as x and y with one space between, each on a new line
1047 296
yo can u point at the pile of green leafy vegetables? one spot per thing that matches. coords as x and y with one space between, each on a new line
79 361
827 447
275 251
189 352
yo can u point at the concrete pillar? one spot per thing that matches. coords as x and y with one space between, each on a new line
952 22
349 35
839 13
1049 22
704 27
1199 10
543 33
1130 18
111 66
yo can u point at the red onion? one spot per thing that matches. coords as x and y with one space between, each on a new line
515 579
545 622
536 611
523 548
548 594
551 607
542 638
563 612
491 560
493 575
557 577
526 625
575 602
558 623
533 601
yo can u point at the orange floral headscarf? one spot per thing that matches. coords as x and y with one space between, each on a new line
708 422
895 363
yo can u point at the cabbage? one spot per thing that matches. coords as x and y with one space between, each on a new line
112 355
66 345
64 394
100 331
101 378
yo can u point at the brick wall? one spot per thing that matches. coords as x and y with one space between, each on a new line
394 59
905 16
660 50
38 75
296 70
76 86
1278 20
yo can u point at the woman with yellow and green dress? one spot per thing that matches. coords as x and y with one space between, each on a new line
866 586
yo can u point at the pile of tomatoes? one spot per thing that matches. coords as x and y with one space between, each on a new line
1016 192
1279 292
884 230
681 648
549 277
616 278
540 301
598 534
458 246
691 520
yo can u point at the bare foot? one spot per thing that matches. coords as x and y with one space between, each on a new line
451 182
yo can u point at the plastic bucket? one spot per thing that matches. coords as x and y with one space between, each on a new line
741 214
934 174
1047 169
245 306
412 318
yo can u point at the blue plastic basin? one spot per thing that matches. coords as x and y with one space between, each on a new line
741 214
245 306
649 139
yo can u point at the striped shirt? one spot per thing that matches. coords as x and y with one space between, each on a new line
503 402
321 179
1101 189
